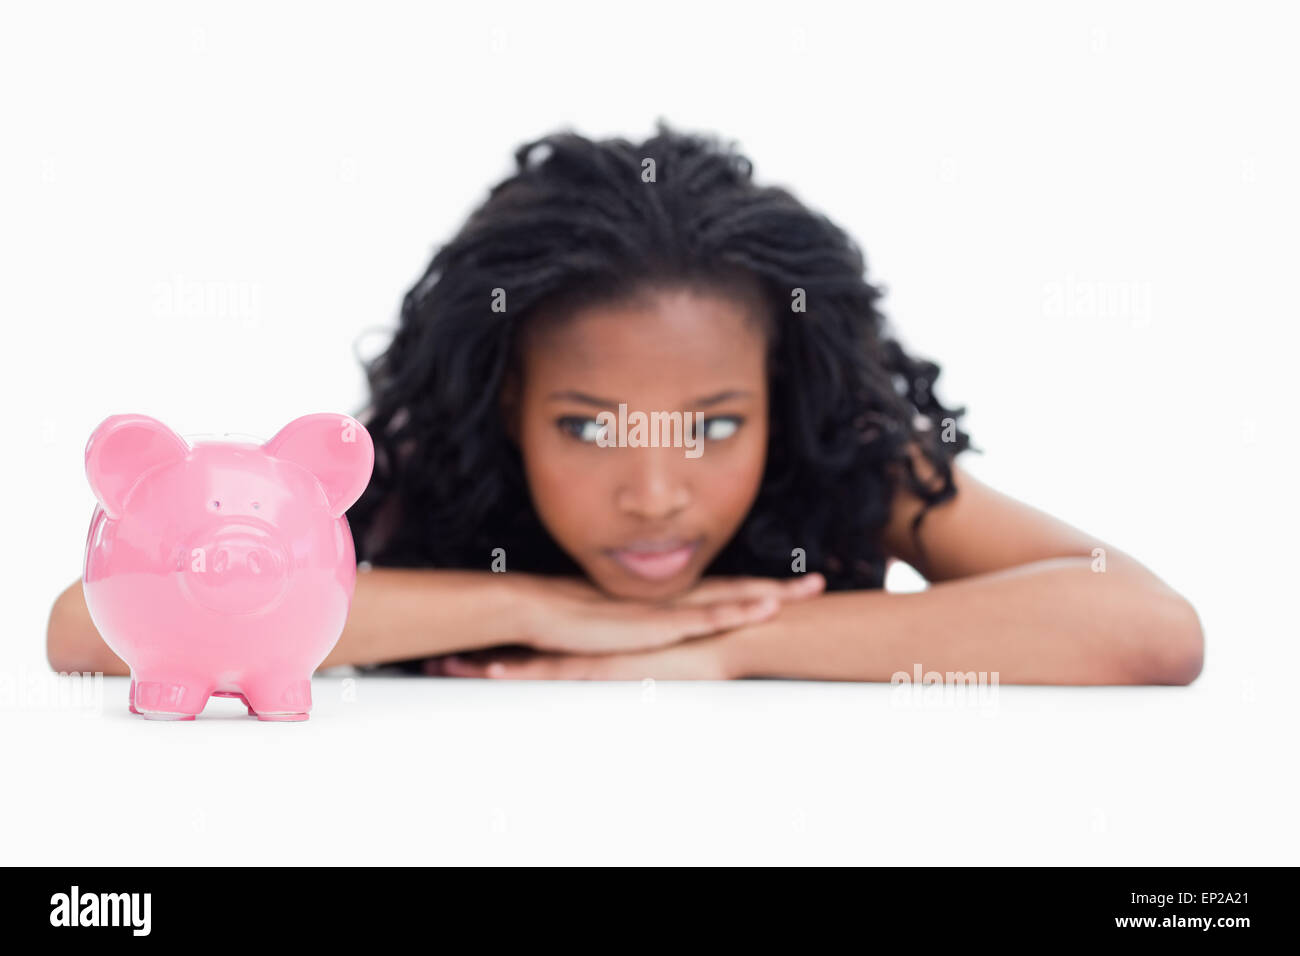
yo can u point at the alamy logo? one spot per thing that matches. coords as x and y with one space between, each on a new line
653 430
102 909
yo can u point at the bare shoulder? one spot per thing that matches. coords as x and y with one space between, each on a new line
979 529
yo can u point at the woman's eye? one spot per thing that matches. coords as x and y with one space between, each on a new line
589 430
716 429
583 429
723 426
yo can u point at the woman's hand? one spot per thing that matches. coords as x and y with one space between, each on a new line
701 659
573 616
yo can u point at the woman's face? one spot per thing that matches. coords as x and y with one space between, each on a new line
690 367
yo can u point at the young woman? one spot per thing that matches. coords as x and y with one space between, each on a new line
519 525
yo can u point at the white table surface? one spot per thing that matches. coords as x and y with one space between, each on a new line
440 770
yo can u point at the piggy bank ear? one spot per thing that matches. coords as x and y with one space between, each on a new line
122 449
335 448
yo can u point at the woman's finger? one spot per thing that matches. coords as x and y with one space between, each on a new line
519 667
711 618
716 590
805 585
454 665
620 626
544 667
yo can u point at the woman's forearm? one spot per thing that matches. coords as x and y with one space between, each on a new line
1055 621
397 614
72 642
406 613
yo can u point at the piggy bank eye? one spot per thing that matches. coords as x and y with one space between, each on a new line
216 505
256 506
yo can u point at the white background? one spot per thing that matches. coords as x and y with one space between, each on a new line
1087 214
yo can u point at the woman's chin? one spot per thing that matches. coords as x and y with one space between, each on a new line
630 588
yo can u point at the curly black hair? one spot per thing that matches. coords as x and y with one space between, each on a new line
581 222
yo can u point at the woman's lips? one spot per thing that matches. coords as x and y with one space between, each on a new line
655 561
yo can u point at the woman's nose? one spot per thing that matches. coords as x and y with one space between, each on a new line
653 485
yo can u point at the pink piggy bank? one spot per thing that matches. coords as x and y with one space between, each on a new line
223 567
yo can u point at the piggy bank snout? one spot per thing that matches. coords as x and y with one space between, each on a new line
237 570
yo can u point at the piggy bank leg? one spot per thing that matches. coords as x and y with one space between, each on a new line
278 698
130 700
168 698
